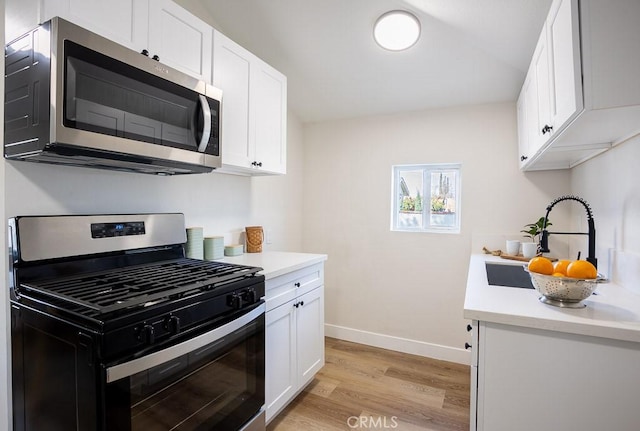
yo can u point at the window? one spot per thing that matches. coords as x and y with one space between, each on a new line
426 198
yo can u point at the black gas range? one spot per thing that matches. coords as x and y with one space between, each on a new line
114 329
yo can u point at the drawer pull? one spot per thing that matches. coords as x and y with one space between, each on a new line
467 346
296 284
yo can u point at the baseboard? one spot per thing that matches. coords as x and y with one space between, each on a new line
405 345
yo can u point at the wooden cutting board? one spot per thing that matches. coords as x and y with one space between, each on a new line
522 258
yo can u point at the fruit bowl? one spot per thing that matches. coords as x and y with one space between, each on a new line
564 291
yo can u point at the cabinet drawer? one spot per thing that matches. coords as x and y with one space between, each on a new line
288 286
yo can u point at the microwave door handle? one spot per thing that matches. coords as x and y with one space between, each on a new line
206 129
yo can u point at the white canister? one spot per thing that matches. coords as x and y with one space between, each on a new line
513 247
529 249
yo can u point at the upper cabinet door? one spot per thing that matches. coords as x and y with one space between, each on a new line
180 39
270 111
254 110
564 45
231 72
122 21
542 115
524 121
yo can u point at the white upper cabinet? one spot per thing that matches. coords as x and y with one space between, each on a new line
534 104
526 109
254 110
540 92
123 21
232 72
564 67
270 110
180 39
593 83
165 30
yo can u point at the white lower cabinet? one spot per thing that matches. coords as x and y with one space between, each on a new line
294 341
473 402
531 379
280 357
309 335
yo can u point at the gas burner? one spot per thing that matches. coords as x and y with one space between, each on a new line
116 289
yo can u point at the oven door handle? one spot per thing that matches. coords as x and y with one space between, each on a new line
135 366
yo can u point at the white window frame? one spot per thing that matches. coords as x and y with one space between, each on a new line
427 169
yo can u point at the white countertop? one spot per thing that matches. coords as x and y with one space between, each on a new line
613 312
276 263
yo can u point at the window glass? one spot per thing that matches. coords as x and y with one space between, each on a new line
426 198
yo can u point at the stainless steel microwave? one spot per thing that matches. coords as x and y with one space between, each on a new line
75 98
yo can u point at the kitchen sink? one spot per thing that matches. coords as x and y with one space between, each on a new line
499 274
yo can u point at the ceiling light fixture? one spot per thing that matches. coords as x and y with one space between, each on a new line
396 30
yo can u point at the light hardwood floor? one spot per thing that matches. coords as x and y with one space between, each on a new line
363 387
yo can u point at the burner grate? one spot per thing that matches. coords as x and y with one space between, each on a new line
122 288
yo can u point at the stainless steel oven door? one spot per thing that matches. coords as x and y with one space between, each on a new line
212 381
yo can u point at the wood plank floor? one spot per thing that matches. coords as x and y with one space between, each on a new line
363 387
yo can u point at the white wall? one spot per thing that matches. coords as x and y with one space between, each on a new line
223 204
610 183
276 202
406 290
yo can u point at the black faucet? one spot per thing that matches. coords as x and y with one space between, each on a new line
544 239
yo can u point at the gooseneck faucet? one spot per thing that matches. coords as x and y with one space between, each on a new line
544 239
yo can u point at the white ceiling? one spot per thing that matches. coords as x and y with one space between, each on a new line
470 52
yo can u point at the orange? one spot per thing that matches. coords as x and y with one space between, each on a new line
558 274
561 266
541 265
581 269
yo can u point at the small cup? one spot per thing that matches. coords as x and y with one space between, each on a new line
529 249
513 247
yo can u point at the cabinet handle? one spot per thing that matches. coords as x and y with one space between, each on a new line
296 284
301 303
155 57
145 53
258 164
547 129
469 328
523 158
297 304
467 346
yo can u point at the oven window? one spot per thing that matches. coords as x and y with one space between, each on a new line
220 385
106 96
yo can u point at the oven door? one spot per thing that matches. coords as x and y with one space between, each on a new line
212 381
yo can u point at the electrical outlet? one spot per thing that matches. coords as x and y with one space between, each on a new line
267 236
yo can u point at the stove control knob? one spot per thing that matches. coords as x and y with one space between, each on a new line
172 324
250 296
234 301
147 334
